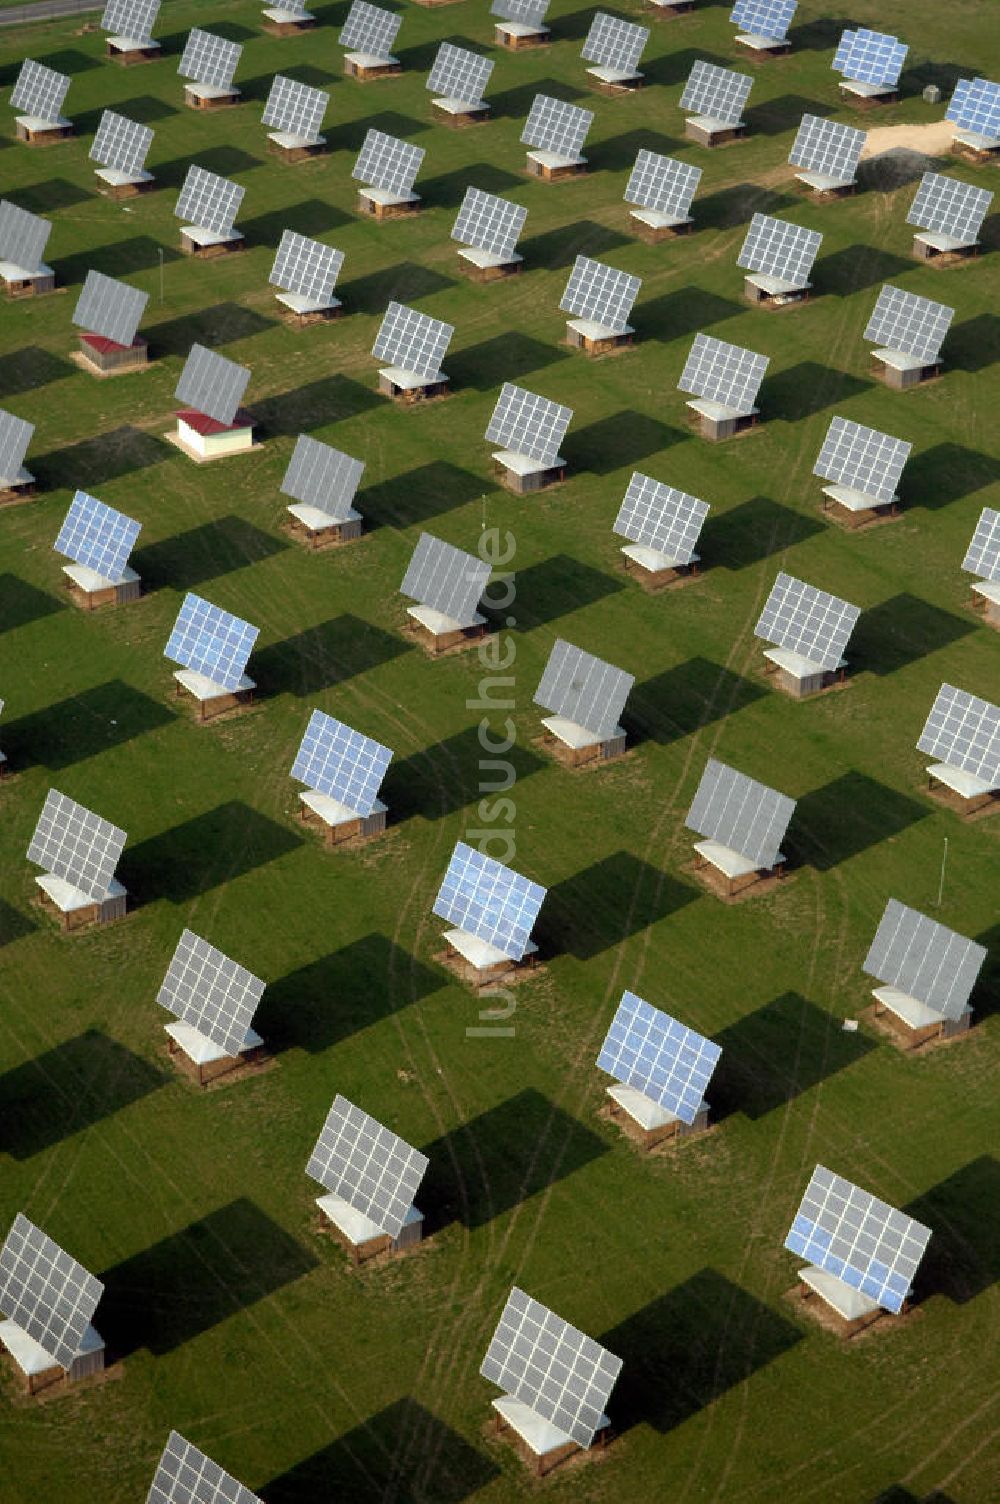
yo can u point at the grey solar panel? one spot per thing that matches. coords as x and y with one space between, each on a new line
982 558
947 206
362 1162
489 900
412 341
808 621
321 476
600 292
212 993
560 1373
46 1292
553 125
212 384
209 201
210 641
904 321
341 763
862 458
15 436
121 143
975 106
614 43
184 1475
134 19
370 28
209 59
445 578
924 959
23 236
295 107
458 73
661 517
39 91
97 536
527 12
828 147
387 163
73 843
723 373
306 267
659 1057
964 732
583 689
716 92
872 57
110 308
488 222
528 424
740 813
780 249
865 1242
764 18
662 183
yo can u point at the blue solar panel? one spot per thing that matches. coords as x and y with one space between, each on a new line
870 57
488 900
651 1051
334 760
975 106
97 536
211 642
764 18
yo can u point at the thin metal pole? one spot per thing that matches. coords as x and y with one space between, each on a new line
159 252
944 859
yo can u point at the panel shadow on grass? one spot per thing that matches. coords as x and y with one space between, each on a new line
901 631
684 311
685 698
227 161
191 1280
622 439
897 1494
946 473
807 388
418 495
753 531
222 324
606 903
349 135
404 1453
29 368
70 60
106 456
974 344
986 995
324 655
332 399
783 113
119 258
817 36
330 999
402 283
82 726
449 188
486 1167
848 815
202 853
618 153
45 198
963 1213
554 588
674 67
560 247
689 1347
313 217
728 207
453 773
259 87
204 553
856 267
13 924
71 1087
21 603
516 355
773 1055
147 109
514 104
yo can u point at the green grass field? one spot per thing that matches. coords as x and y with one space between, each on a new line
235 1319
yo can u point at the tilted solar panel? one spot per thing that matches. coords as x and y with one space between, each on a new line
982 558
341 763
975 106
23 236
39 91
110 308
296 108
212 384
209 201
947 206
904 321
808 621
209 59
488 222
445 578
525 423
553 125
614 43
658 1056
779 249
723 373
15 436
583 689
97 536
662 183
73 843
305 266
210 641
387 163
862 458
458 73
828 147
716 92
740 813
321 476
370 28
661 517
213 994
486 899
600 292
46 1292
964 732
412 340
366 1165
184 1475
924 959
121 143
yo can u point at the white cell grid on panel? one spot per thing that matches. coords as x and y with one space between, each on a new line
73 843
661 517
307 267
947 206
386 162
779 249
489 900
45 1292
215 995
412 340
600 292
23 236
975 106
211 641
872 57
924 959
374 1170
905 321
807 621
492 224
184 1475
209 201
121 143
528 424
458 73
862 458
716 92
212 384
97 536
130 18
110 308
982 557
446 579
295 107
964 732
764 18
662 183
15 436
658 1056
721 372
337 761
828 147
740 813
584 689
614 43
370 28
39 91
209 59
553 125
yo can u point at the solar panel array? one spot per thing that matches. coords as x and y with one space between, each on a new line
862 458
23 236
97 536
15 436
740 813
212 384
964 732
527 12
369 28
827 146
121 143
982 558
583 689
947 206
600 292
73 843
653 1053
341 763
307 267
445 578
46 1292
458 73
213 994
321 476
975 106
210 641
560 1373
924 959
764 18
614 43
386 162
717 92
184 1475
110 308
779 249
863 1241
723 373
366 1165
295 107
905 321
806 620
484 898
661 517
209 59
870 57
209 201
528 424
39 91
662 183
412 341
489 222
130 18
553 125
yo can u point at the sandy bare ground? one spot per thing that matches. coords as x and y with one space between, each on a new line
933 140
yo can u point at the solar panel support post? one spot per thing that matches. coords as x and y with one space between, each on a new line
34 1368
526 1432
942 250
366 68
902 372
516 35
208 245
595 341
484 266
103 357
203 1062
645 1123
380 203
653 227
128 52
667 10
727 874
798 679
284 23
714 133
338 825
550 167
717 425
357 1234
211 96
35 132
523 476
865 96
458 114
407 389
617 87
763 48
75 910
763 292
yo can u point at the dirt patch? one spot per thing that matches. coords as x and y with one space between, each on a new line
898 154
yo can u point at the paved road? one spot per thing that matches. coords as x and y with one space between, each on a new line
47 10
